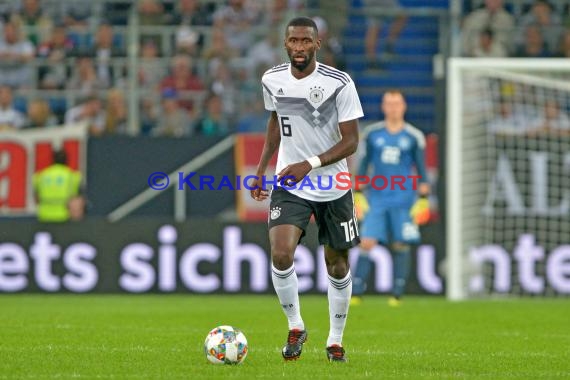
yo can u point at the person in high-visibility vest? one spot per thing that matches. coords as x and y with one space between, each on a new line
56 187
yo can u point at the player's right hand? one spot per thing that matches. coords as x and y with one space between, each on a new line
257 192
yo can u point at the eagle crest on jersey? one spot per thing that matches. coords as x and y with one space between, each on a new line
316 94
309 111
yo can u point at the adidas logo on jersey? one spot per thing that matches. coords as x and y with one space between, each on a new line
280 92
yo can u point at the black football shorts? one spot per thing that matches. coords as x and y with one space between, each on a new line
336 220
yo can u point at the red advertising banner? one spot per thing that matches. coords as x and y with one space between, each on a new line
248 150
25 152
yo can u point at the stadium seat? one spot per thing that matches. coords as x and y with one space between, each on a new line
411 70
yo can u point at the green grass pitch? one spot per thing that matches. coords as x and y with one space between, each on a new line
161 337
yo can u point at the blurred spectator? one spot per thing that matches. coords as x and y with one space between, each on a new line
117 11
58 47
102 51
149 110
84 78
254 119
15 56
191 13
373 29
182 79
248 83
236 20
533 45
279 12
37 24
116 112
549 24
10 118
77 14
151 12
564 49
276 16
7 8
267 52
488 47
151 69
331 49
508 122
40 115
494 17
213 121
173 121
223 85
187 41
218 51
90 112
551 120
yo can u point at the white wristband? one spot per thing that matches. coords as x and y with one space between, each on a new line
315 162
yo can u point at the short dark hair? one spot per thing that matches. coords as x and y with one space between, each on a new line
302 21
60 157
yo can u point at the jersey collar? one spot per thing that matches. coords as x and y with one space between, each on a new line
314 73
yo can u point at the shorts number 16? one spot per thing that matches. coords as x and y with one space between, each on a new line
350 230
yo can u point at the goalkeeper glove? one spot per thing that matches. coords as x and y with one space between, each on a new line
360 204
420 211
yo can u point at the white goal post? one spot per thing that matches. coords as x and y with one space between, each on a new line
508 177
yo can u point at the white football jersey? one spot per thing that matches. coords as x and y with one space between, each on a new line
309 111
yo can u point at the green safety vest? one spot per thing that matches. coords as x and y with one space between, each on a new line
55 186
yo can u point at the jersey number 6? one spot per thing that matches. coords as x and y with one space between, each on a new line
285 126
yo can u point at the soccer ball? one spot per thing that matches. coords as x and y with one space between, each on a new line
225 345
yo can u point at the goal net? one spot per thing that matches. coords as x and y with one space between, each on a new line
508 177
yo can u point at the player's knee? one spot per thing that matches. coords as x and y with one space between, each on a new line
337 267
367 244
399 246
282 256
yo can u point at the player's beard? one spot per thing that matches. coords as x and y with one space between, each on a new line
301 66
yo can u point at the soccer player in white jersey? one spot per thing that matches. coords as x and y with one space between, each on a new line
314 123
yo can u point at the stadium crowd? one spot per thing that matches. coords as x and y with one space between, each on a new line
533 29
537 29
198 69
199 61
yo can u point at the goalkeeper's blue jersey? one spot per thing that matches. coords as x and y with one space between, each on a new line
389 157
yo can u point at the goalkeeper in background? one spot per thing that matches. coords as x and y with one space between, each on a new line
393 148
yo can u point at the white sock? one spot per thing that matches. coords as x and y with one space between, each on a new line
339 292
287 288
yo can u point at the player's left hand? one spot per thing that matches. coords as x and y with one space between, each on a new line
295 173
420 211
